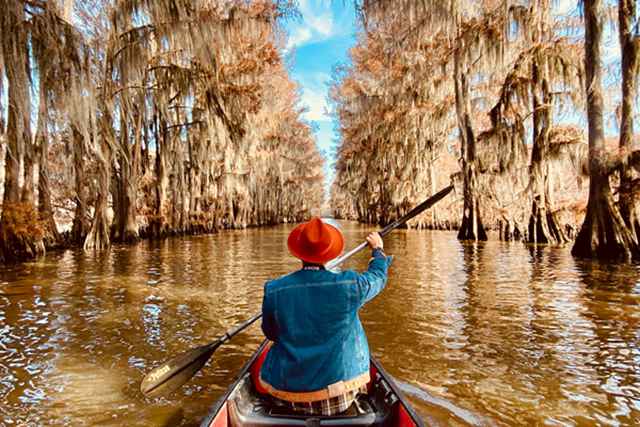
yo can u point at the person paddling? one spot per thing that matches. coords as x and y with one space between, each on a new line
319 359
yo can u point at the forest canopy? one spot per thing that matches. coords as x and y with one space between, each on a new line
123 119
505 98
152 118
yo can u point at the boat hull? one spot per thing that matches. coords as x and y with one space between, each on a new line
241 405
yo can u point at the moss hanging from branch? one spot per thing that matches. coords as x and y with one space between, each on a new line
175 116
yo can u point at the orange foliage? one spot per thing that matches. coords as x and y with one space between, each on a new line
21 220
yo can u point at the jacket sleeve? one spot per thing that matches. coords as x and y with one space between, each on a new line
269 326
372 282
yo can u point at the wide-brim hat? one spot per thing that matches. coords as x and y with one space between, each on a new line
315 242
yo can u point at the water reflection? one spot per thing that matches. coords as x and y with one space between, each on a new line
478 334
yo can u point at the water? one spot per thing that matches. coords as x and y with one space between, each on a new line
487 334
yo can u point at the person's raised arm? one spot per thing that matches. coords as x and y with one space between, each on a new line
372 281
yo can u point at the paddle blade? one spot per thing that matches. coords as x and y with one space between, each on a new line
171 375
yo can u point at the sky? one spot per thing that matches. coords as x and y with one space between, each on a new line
319 40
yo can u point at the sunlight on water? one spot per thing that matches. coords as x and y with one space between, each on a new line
487 334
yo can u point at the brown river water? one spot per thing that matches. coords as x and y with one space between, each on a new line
488 334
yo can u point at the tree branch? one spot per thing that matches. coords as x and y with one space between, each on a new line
196 122
615 161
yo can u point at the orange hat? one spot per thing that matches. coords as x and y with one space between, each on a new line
315 242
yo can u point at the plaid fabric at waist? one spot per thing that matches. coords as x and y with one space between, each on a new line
327 407
332 390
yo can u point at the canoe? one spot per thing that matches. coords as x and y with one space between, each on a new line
241 405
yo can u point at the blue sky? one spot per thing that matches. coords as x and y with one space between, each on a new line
319 40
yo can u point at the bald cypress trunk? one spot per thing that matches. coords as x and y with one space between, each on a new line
14 44
630 45
544 226
27 194
604 234
20 232
124 228
435 223
102 143
158 223
81 225
98 237
51 235
471 227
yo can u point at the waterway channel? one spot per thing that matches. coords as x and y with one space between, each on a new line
476 334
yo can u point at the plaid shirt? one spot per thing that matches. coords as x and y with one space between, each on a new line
333 406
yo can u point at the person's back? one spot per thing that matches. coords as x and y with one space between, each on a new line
320 351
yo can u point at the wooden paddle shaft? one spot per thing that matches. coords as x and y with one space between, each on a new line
235 331
397 223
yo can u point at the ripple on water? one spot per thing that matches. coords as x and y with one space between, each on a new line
478 334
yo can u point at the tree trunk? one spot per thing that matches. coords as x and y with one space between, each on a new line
131 226
158 223
27 195
51 235
20 231
98 237
14 44
144 147
103 141
179 196
81 225
603 234
124 227
509 230
630 46
471 227
544 226
435 223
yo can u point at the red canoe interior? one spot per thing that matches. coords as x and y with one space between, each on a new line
401 415
222 419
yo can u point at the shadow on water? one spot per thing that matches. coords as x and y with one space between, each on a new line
491 333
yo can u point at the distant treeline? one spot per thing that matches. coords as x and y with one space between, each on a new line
153 118
495 83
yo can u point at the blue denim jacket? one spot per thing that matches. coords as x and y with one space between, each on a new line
312 318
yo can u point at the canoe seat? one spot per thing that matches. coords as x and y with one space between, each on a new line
250 409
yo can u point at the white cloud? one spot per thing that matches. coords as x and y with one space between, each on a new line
316 104
317 23
314 95
321 24
299 37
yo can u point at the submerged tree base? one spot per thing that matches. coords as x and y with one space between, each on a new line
98 238
20 233
544 227
472 229
127 236
51 237
509 230
604 234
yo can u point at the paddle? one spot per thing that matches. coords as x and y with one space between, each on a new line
173 374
